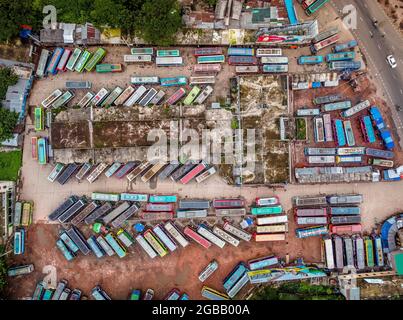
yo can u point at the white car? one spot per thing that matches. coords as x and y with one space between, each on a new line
392 61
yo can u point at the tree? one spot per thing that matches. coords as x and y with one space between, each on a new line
12 15
7 78
8 121
158 21
3 273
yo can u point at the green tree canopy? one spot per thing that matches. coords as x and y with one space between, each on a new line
8 121
7 78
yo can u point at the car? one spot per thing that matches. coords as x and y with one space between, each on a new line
135 295
149 294
392 61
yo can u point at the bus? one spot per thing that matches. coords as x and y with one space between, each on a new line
108 67
349 251
327 99
320 151
168 170
79 240
311 220
39 290
324 43
327 125
208 271
168 53
338 250
138 197
78 84
241 234
264 237
235 212
344 65
43 60
238 286
97 213
345 46
124 170
225 236
202 80
85 168
208 51
155 243
378 153
124 96
73 59
59 289
53 96
274 60
66 252
340 56
135 96
379 258
133 58
112 97
275 228
157 98
86 99
114 197
210 236
359 151
145 80
346 229
105 246
42 151
269 52
34 148
155 216
147 97
163 199
26 218
178 95
116 212
241 51
359 253
96 172
146 247
69 243
228 203
125 238
115 244
62 208
234 276
193 204
207 68
267 210
173 81
174 232
345 199
169 61
242 60
203 95
350 219
95 59
348 159
135 51
86 55
348 130
193 173
311 232
339 133
113 169
99 294
136 172
61 66
369 252
246 69
367 129
319 130
99 97
95 247
54 61
263 262
196 237
212 294
174 294
275 68
272 220
159 207
164 238
38 119
328 252
189 214
211 59
19 241
310 201
381 163
66 97
310 59
17 214
345 211
333 106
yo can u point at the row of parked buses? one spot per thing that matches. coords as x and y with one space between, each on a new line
181 173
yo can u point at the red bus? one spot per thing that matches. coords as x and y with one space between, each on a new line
207 51
228 203
63 60
348 228
196 237
176 96
193 173
34 148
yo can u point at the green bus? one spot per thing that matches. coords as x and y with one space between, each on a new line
168 53
369 252
73 59
192 95
211 59
38 119
136 51
96 58
82 61
267 210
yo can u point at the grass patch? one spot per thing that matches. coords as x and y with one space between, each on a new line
301 129
10 163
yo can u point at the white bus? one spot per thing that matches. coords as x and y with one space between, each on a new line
86 99
164 238
269 52
135 96
56 172
272 220
146 247
202 230
328 251
135 58
96 173
145 80
274 60
168 61
272 228
202 80
99 97
53 96
208 271
237 232
174 232
225 236
246 69
124 96
203 95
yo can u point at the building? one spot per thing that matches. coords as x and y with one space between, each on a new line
7 198
70 33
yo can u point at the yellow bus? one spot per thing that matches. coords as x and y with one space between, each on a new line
155 243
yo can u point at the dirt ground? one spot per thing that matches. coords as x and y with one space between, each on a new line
394 9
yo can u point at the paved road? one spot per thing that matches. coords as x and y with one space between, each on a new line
377 43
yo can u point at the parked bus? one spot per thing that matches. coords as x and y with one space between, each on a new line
174 294
59 289
38 119
34 148
62 208
39 290
95 247
168 53
123 171
135 97
79 67
208 51
98 213
272 220
135 51
241 234
379 258
269 52
186 204
86 99
263 262
308 112
359 253
276 228
61 66
17 214
348 130
344 65
147 97
208 271
96 172
42 151
163 199
348 159
73 59
138 197
234 276
243 60
381 163
345 199
351 151
19 241
157 98
108 67
178 95
137 171
196 237
345 46
211 59
367 129
340 56
267 210
54 61
369 252
311 220
238 286
145 246
105 246
108 101
339 253
333 106
207 68
235 212
159 207
357 108
271 201
116 212
345 211
174 81
99 97
202 80
274 60
311 232
212 294
137 58
145 80
66 252
346 229
69 243
78 239
310 201
190 214
246 69
43 60
263 237
164 238
193 173
319 130
349 251
328 252
320 151
115 244
275 68
339 133
174 232
113 169
155 243
324 43
228 203
210 236
114 197
53 96
125 238
65 97
310 59
85 168
78 84
99 294
349 219
233 51
378 153
225 236
169 61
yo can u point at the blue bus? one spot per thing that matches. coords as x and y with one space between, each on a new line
163 199
69 255
69 243
345 46
339 131
310 59
95 247
116 246
367 129
340 56
19 241
241 51
174 81
233 277
54 61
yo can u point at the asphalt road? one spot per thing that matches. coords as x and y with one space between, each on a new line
377 43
